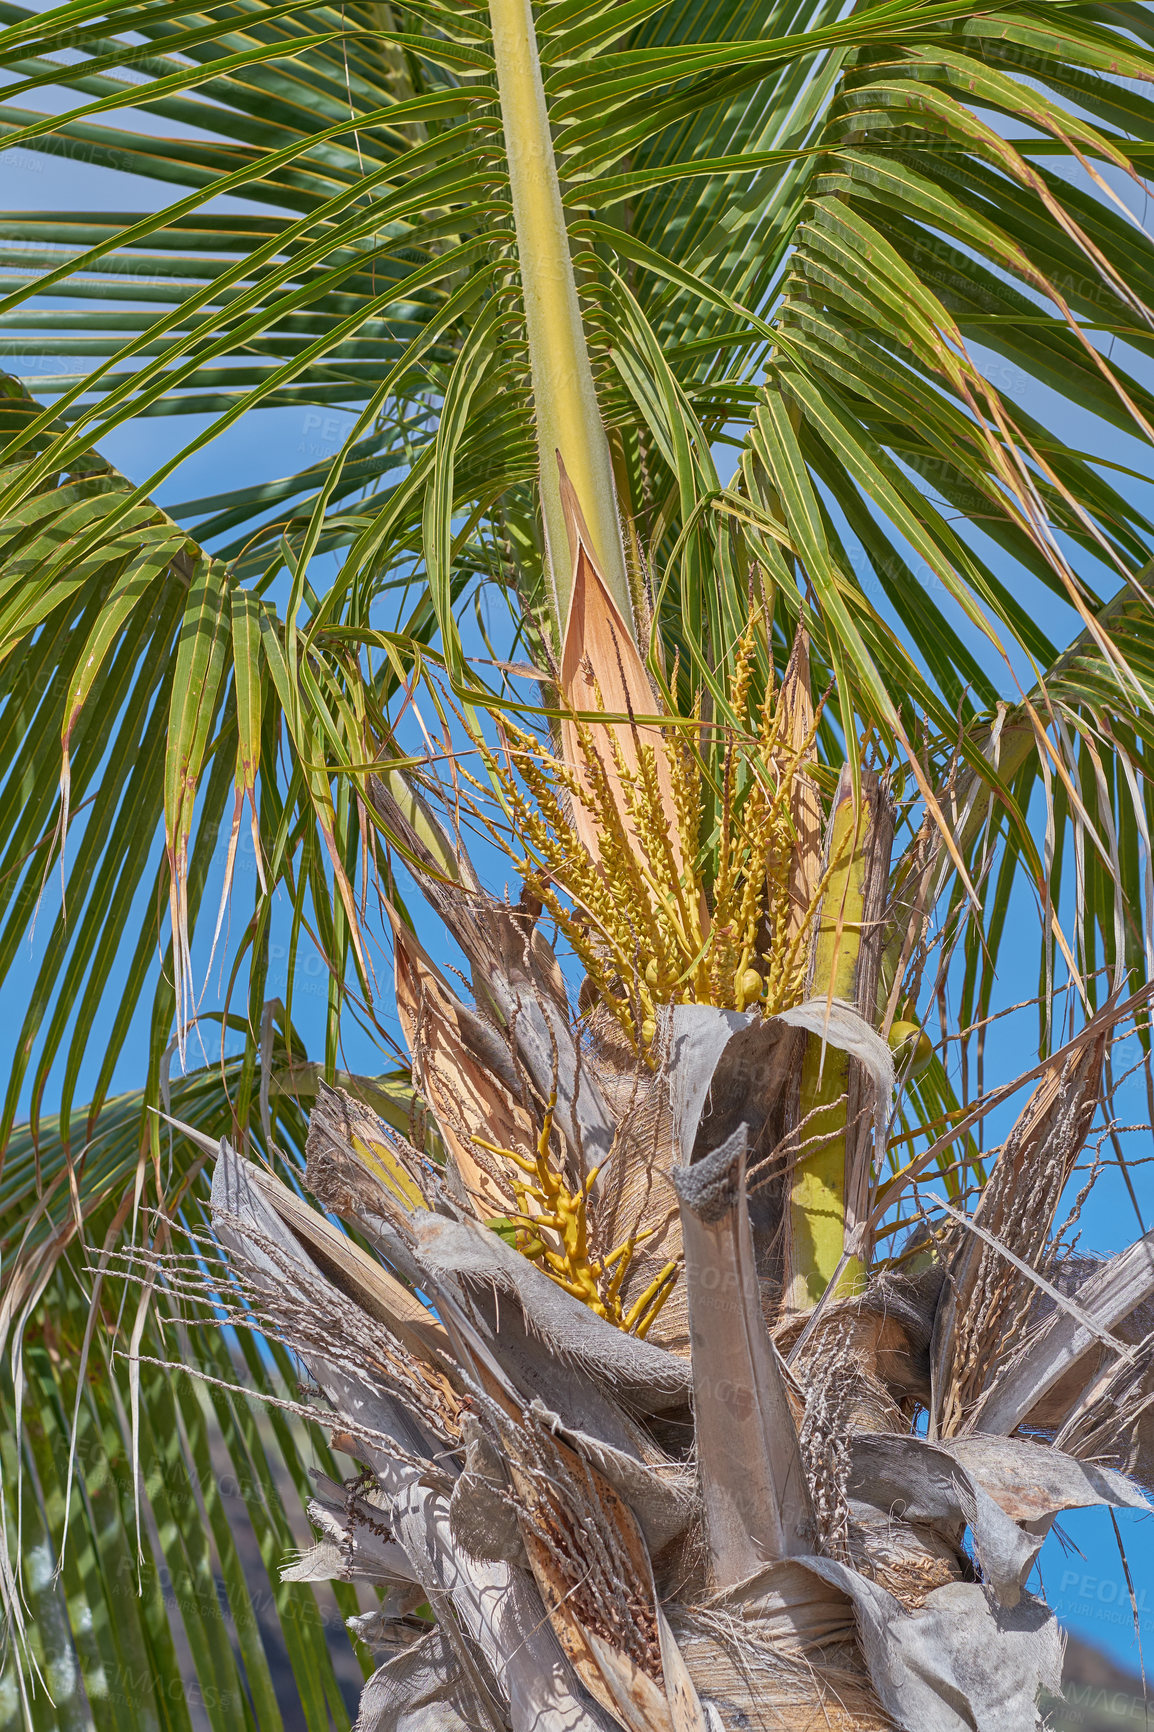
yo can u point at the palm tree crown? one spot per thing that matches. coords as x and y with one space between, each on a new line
711 342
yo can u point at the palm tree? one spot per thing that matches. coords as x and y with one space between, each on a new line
655 1459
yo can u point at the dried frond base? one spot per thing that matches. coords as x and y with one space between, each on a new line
754 1687
908 1559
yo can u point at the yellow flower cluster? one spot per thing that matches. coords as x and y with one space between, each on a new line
665 914
552 1230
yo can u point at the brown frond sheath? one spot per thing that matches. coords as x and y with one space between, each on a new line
453 1062
602 672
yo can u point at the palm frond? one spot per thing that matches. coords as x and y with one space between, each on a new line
148 1518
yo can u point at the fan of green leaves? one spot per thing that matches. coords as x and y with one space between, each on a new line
839 269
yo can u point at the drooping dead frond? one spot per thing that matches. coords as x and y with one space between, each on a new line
1052 1367
425 1678
987 1300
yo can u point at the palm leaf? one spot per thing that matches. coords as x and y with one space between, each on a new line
112 1641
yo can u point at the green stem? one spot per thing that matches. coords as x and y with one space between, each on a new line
827 1190
564 397
817 1189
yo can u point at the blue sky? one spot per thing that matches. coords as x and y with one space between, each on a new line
1086 1585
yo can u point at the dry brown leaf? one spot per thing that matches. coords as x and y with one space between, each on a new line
986 1301
649 1697
647 1689
467 1100
358 1276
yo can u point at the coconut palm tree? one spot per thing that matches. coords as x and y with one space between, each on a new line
655 1455
634 1395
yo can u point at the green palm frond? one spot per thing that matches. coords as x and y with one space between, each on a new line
107 1639
143 719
